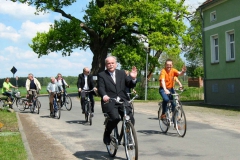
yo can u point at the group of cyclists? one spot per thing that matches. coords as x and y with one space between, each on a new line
112 83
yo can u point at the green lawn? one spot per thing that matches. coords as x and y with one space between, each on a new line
11 145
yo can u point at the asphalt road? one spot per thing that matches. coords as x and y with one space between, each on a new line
202 141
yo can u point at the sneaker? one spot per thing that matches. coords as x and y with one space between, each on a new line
9 102
163 116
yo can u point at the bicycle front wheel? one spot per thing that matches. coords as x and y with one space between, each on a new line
21 104
132 107
113 146
164 125
37 106
90 113
130 142
58 111
68 103
180 121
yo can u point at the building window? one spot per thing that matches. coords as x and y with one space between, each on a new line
214 49
230 46
215 88
213 16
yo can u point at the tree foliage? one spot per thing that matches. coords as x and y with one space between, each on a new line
121 27
193 48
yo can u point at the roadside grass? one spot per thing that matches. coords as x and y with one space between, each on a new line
11 144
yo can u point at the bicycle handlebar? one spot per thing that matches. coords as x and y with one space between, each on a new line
118 99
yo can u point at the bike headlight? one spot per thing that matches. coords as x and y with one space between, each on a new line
127 117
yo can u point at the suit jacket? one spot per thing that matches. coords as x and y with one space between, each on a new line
106 86
81 81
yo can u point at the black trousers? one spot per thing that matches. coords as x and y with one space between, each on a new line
90 94
114 113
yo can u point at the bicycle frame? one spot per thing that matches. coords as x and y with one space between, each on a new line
127 131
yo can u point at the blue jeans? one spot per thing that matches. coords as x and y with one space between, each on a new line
8 94
166 98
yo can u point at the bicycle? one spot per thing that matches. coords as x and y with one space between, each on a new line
56 106
177 117
128 134
66 100
4 100
88 106
22 103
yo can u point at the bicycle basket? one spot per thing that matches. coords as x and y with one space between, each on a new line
17 94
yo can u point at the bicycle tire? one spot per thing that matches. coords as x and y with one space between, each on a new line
37 106
180 121
31 108
58 111
21 104
130 142
68 102
113 147
86 112
90 113
163 124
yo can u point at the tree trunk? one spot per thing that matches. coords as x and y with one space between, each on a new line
98 62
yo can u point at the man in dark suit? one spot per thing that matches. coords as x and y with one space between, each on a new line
85 82
112 84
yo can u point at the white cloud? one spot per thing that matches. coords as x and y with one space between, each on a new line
19 10
29 29
193 4
8 32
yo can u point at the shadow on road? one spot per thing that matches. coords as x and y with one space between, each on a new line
153 118
83 122
86 155
151 132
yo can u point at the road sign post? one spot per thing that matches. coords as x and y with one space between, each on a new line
13 70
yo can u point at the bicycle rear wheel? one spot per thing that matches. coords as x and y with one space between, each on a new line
130 142
68 103
163 123
180 121
21 104
113 146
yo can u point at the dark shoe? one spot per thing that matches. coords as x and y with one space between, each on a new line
83 112
51 115
106 138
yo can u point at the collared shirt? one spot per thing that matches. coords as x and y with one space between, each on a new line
86 87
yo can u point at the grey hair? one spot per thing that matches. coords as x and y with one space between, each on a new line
111 57
30 74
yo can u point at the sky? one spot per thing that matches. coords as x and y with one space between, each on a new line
19 24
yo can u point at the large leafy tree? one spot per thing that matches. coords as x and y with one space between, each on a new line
121 27
193 49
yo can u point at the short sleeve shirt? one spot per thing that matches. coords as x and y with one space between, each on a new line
168 77
6 86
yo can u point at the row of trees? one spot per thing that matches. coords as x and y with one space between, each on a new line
128 29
